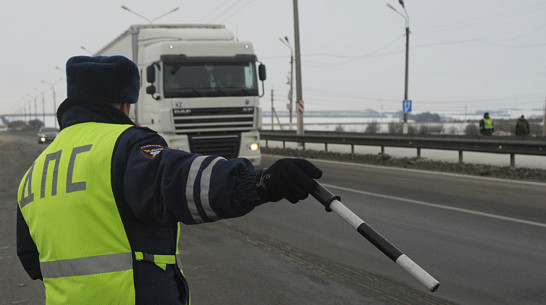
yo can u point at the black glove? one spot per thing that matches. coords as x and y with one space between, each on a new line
292 179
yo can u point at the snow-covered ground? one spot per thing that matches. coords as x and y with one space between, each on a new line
439 155
340 120
359 124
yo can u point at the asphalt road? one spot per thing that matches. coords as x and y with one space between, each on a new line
483 239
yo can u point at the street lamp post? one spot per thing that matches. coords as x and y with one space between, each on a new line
35 106
87 50
24 108
43 104
291 81
406 18
149 21
26 113
299 94
544 120
52 85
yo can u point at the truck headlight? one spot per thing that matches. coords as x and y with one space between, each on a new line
254 146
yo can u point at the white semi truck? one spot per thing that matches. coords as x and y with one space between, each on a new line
199 87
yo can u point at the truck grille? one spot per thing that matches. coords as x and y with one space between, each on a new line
221 120
225 145
214 131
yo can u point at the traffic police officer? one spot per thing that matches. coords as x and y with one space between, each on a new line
99 210
486 125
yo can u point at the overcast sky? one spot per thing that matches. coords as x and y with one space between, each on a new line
482 55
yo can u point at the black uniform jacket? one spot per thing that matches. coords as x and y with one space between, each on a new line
155 188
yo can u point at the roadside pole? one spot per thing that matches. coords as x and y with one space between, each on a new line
544 120
299 95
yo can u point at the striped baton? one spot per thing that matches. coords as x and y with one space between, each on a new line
331 203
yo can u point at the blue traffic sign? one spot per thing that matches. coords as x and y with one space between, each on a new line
406 106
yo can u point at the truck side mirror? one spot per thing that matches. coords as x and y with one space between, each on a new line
151 90
261 75
150 74
150 78
261 72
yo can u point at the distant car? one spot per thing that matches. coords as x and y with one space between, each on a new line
47 134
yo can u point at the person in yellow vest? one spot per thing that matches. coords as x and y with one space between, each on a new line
99 211
486 125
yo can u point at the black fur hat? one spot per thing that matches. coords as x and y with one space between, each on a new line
110 79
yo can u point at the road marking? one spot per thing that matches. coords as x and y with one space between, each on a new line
527 222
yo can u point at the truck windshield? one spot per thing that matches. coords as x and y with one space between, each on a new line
191 79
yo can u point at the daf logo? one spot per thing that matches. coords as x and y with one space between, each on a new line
182 111
247 102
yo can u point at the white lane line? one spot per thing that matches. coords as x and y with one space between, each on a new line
532 223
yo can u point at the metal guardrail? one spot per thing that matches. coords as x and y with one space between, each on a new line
489 144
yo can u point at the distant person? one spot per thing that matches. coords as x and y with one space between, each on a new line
522 126
486 125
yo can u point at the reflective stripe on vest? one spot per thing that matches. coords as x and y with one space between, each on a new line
87 265
102 264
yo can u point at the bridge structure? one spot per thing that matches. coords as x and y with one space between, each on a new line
20 116
31 119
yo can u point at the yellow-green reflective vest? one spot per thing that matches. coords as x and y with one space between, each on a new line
487 123
66 199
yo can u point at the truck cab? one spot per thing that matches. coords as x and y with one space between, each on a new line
200 88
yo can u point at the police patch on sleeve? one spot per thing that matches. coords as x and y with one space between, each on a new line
151 151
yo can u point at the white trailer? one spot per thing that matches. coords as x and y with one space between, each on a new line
199 87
